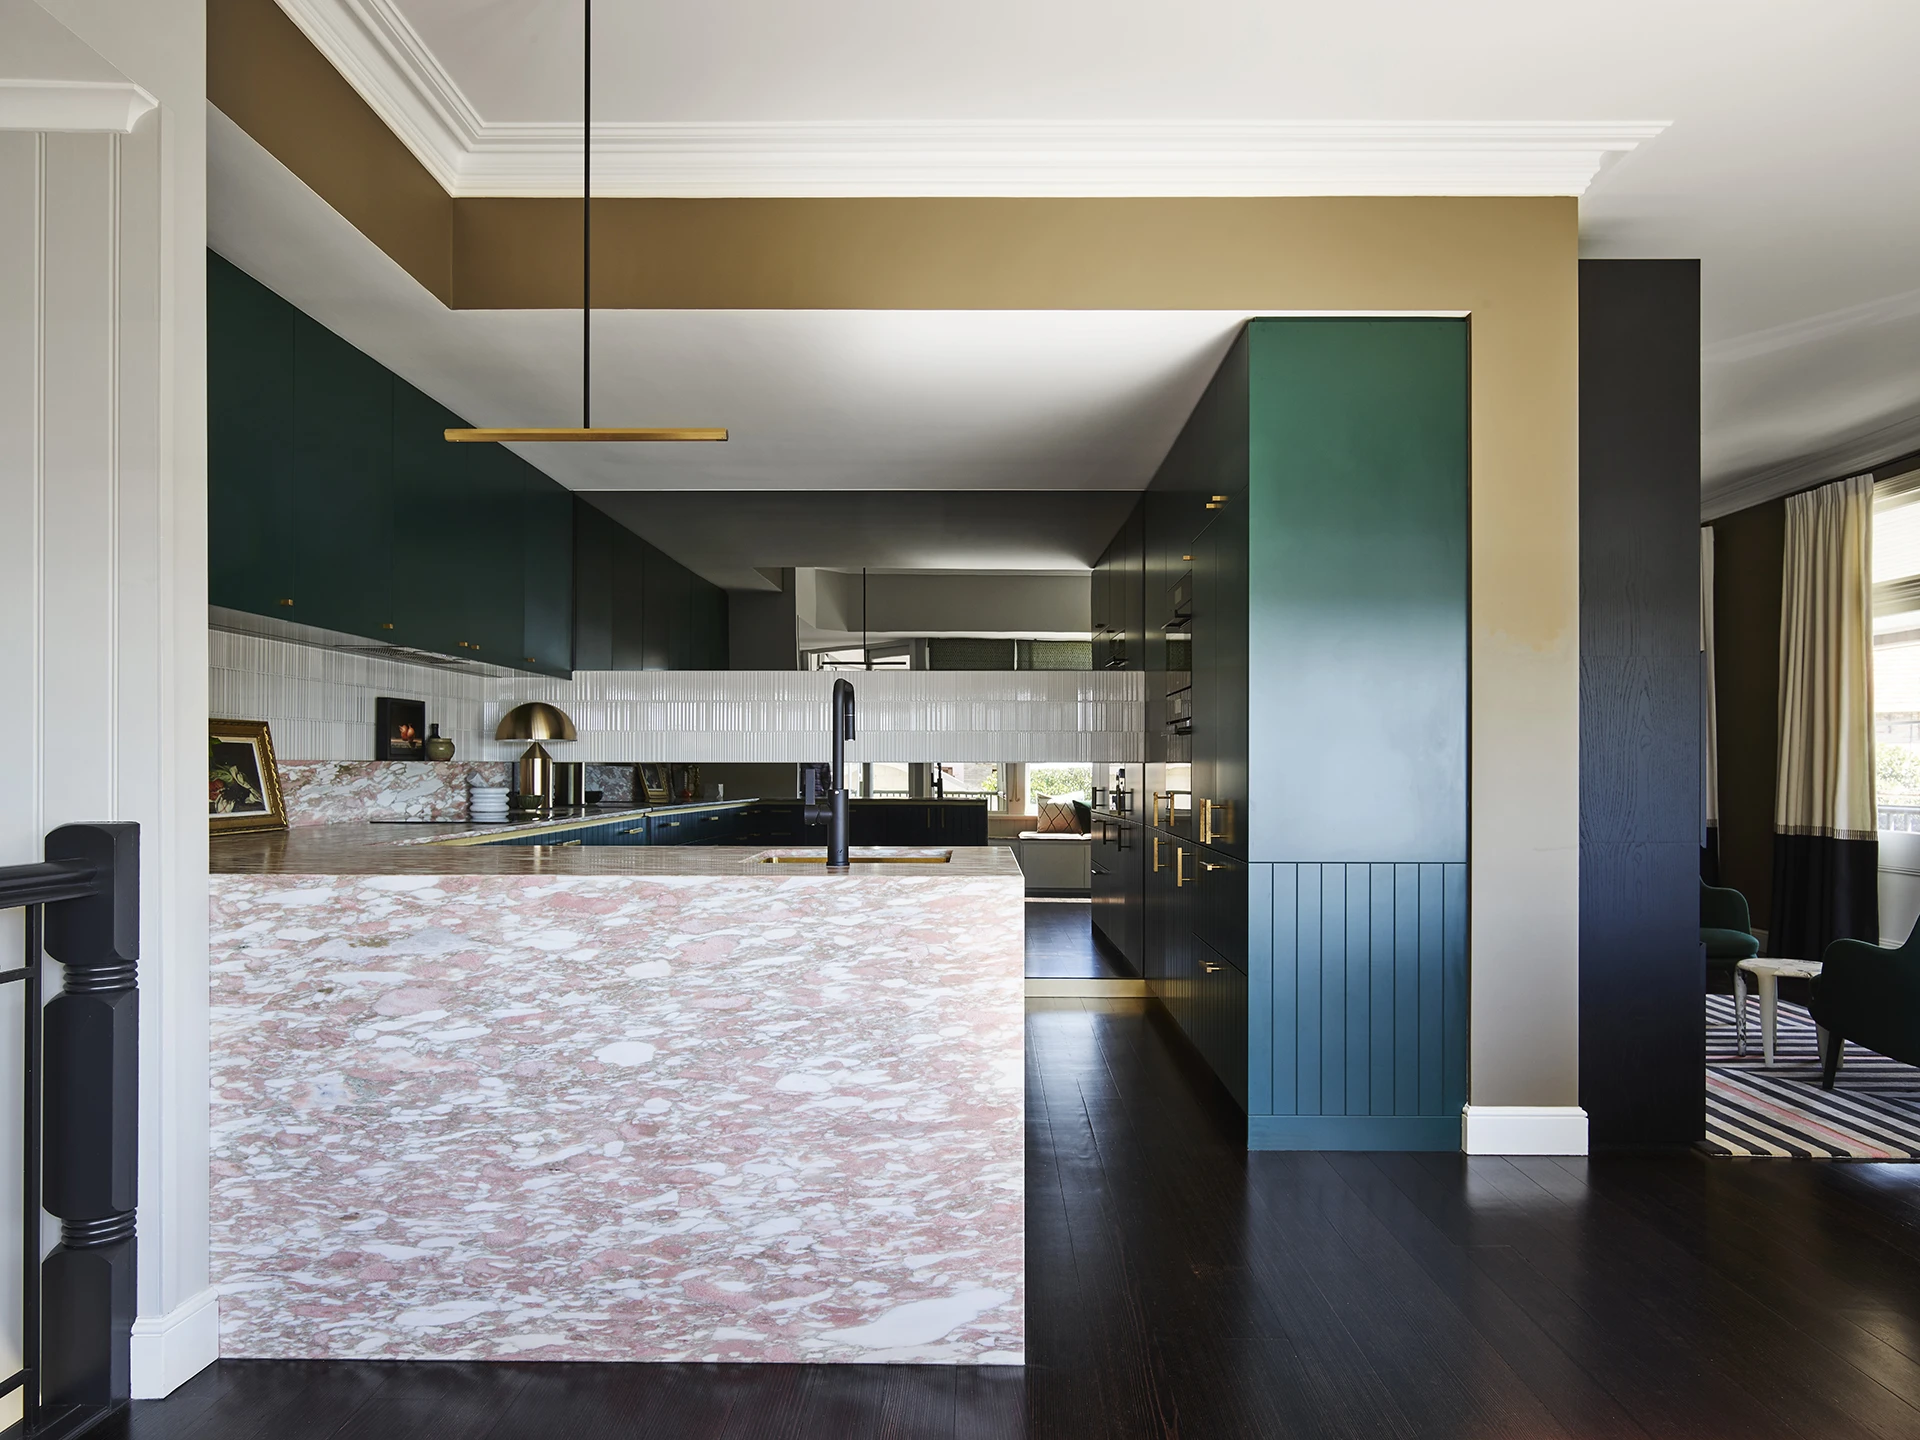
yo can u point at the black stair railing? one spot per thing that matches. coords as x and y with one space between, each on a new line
79 1110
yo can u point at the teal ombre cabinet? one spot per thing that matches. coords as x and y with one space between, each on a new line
1304 901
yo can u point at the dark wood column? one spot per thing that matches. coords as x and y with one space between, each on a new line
1642 1020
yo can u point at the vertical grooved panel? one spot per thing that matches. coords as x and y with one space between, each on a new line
1333 989
1311 962
1453 1020
1380 938
1357 1031
1265 972
1432 943
1406 989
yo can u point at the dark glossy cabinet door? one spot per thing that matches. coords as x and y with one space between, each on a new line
629 604
546 565
250 488
427 580
594 538
343 482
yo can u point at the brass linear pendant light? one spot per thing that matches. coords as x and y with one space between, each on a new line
586 430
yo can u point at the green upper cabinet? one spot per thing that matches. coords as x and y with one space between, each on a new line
546 538
250 489
342 483
429 564
334 499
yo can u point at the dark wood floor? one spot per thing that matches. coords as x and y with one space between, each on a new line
1179 1287
1061 946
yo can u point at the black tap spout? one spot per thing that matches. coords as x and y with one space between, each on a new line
836 806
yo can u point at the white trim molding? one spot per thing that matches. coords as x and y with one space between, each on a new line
85 106
381 55
169 1350
1523 1130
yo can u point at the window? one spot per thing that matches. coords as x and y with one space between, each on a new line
969 780
887 780
1046 782
1896 651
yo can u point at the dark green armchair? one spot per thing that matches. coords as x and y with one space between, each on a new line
1871 996
1726 930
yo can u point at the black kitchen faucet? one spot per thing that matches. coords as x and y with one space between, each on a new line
835 810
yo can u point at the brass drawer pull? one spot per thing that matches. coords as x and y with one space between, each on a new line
1156 854
1179 866
1210 967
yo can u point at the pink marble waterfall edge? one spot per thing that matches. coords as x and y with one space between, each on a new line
328 792
619 1118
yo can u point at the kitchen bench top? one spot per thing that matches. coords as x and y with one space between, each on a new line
367 848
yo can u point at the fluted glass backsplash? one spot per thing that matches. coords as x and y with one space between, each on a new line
320 704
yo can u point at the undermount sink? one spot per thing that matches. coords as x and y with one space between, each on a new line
858 856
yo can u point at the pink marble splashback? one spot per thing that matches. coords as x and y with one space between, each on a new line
327 792
663 1118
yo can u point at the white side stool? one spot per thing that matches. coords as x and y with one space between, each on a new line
1767 973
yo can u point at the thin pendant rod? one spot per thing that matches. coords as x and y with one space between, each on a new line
586 228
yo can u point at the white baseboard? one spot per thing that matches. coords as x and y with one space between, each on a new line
1523 1130
169 1350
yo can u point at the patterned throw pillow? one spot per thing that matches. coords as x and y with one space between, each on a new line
1057 818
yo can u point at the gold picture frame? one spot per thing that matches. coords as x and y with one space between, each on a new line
243 785
654 787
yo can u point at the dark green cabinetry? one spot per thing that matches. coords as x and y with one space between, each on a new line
635 608
334 500
250 515
342 537
1303 568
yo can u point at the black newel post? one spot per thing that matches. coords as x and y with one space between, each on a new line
92 1103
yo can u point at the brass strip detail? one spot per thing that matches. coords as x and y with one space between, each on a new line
598 432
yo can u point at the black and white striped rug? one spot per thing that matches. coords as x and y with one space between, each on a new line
1872 1113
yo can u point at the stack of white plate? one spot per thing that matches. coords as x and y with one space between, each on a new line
487 802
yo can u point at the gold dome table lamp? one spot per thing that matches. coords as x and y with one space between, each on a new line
533 776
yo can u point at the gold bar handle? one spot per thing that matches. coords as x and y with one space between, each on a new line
1156 854
1179 866
1206 822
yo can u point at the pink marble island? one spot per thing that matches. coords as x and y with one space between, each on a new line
670 1103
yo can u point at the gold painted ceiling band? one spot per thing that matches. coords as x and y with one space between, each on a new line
596 433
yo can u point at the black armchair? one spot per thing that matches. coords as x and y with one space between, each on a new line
1871 996
1726 930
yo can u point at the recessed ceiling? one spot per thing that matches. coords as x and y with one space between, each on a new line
1786 166
815 399
729 535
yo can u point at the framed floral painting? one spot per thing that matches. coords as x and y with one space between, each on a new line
243 787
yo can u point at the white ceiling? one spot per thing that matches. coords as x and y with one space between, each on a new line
1788 164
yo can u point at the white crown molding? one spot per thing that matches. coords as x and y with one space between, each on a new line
1857 455
95 106
386 61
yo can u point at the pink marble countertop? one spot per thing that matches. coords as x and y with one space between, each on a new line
364 848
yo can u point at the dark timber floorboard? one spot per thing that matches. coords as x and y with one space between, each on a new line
1179 1287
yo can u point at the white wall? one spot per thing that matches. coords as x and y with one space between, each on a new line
103 576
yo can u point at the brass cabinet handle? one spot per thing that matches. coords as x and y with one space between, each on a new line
1210 967
1211 865
1206 822
1156 854
386 624
1179 866
1211 829
1158 795
286 602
